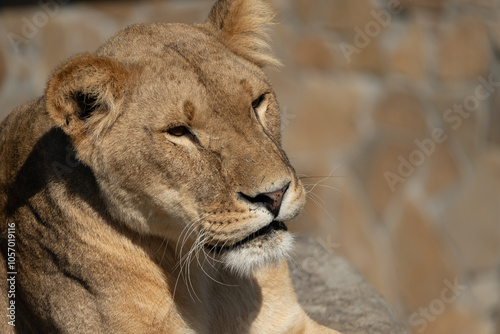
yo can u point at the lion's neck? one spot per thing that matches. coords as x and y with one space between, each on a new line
209 296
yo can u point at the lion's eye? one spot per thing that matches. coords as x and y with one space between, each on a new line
178 131
259 107
258 102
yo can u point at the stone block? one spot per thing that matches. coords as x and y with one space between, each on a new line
463 117
347 14
58 39
313 52
357 241
484 292
464 50
494 31
3 69
402 113
422 265
494 123
305 8
365 57
486 4
325 115
410 55
456 321
472 221
16 18
382 165
180 11
498 322
121 13
55 45
444 170
435 5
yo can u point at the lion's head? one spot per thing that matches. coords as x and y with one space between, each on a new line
181 128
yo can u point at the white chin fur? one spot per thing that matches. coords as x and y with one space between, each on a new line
244 260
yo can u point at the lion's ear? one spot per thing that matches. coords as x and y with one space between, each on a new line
243 26
83 93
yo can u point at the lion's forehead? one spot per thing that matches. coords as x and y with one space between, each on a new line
178 97
197 97
184 67
184 72
178 45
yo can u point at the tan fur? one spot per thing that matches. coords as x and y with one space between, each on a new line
116 214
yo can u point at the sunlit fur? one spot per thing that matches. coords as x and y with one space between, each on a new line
246 260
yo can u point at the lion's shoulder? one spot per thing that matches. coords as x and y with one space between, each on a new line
19 133
32 148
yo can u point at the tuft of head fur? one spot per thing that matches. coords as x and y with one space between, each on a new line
243 27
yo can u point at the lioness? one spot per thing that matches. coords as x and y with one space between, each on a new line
147 190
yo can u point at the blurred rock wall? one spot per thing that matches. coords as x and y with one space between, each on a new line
391 116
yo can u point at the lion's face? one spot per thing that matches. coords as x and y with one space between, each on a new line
184 140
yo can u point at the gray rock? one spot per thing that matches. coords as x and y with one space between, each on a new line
336 295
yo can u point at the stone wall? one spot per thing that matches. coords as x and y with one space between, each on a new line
391 115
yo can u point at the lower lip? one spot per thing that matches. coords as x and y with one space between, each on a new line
273 226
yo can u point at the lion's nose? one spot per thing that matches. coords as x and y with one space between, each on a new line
271 200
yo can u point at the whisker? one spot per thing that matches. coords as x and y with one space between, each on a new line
320 177
321 185
318 198
322 207
183 263
325 178
207 274
186 229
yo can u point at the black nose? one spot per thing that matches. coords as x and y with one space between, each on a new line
271 201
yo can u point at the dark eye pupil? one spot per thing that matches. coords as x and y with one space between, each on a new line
178 131
257 102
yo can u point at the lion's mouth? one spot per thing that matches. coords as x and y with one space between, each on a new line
266 230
